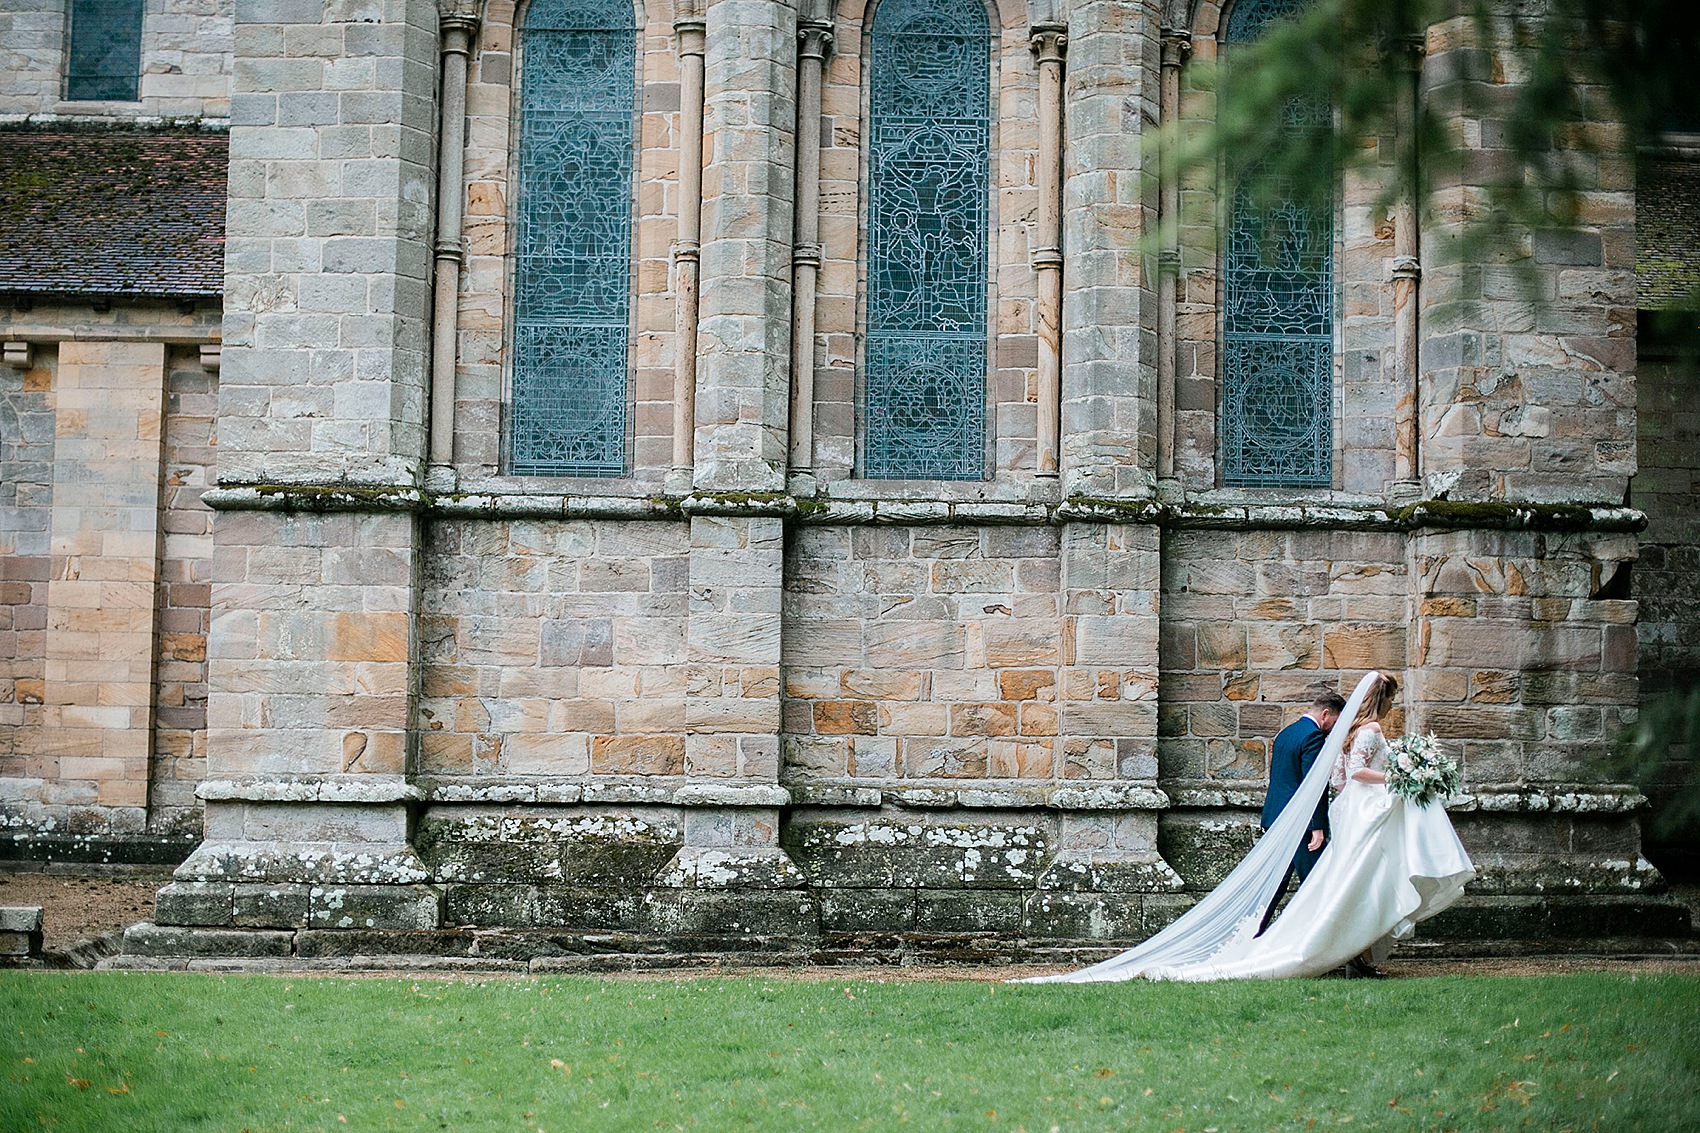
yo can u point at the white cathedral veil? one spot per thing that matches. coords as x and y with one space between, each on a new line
1236 906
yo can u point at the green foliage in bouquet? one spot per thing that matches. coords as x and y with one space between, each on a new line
1418 770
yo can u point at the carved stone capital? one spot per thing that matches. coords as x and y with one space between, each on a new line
460 16
1177 46
692 33
1049 42
814 39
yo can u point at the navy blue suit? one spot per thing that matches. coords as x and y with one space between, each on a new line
1290 759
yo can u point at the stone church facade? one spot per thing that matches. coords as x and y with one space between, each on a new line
750 477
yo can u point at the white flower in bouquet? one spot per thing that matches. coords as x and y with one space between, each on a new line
1420 771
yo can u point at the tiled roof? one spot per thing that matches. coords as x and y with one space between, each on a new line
1667 235
112 212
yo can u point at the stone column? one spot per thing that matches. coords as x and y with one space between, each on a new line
1109 877
458 28
98 692
321 449
1407 276
814 38
732 723
732 803
1049 42
1518 400
1108 313
744 333
328 246
687 250
1177 45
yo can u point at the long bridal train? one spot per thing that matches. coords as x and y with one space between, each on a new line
1389 864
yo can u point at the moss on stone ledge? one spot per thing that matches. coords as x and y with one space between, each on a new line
1461 514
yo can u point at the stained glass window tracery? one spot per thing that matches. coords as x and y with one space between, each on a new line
929 154
1278 316
572 286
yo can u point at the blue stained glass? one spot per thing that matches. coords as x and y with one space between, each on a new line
929 156
572 283
1278 317
105 55
1249 17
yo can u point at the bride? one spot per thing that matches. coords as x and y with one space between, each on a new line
1388 864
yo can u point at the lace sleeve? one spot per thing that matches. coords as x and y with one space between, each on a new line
1368 749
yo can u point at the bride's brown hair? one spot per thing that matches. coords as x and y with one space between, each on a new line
1376 705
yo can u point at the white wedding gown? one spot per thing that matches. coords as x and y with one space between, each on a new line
1388 864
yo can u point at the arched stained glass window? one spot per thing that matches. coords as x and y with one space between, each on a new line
572 282
1278 315
929 153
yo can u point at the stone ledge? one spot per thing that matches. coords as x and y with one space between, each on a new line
1484 798
362 790
865 511
499 505
1001 796
827 795
20 918
1248 798
315 498
106 850
779 504
326 863
716 794
1548 800
160 940
1424 515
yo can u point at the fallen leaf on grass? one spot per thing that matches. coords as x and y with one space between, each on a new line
80 1083
120 1088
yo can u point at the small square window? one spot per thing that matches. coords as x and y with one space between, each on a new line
105 56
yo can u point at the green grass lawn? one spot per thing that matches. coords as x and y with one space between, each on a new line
146 1051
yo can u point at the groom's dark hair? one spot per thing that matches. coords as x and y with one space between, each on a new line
1329 702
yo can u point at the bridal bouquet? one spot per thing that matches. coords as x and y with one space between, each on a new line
1419 770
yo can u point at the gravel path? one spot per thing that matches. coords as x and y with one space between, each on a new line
81 908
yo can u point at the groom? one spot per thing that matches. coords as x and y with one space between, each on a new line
1289 760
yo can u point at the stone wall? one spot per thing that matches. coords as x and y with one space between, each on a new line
1667 571
26 507
185 65
748 711
106 561
1528 387
185 595
1253 624
553 652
